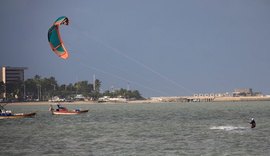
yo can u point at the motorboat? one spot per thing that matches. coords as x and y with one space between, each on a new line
7 114
64 111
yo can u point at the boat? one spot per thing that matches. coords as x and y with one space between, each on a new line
64 111
7 114
16 115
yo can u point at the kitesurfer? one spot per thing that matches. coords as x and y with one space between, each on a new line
253 123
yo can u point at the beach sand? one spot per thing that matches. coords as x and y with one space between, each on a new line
165 100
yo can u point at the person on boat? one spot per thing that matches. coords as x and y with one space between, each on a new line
51 108
253 123
60 108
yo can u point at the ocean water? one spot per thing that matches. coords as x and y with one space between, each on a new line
170 129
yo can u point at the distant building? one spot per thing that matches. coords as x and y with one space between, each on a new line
243 92
10 75
79 97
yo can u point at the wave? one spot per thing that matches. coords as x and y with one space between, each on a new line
228 128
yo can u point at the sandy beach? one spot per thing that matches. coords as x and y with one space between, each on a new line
51 103
164 100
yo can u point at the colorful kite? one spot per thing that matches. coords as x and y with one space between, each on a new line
55 39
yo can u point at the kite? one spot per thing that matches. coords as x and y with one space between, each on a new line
55 39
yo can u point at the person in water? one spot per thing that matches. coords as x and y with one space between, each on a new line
253 123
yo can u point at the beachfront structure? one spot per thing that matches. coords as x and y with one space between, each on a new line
243 92
10 75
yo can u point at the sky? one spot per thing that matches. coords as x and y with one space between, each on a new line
158 47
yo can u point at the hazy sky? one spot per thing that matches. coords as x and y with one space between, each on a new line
159 47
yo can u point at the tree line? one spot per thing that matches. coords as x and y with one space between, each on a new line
43 89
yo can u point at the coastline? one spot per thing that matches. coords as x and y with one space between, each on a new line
242 99
155 100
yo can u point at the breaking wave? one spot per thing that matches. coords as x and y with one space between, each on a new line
228 128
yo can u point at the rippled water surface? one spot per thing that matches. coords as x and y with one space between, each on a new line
140 129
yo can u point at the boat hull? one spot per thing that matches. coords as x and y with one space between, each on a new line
69 112
18 115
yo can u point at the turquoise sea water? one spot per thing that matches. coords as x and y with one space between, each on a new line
141 130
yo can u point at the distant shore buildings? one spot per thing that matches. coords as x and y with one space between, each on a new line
245 92
242 94
11 75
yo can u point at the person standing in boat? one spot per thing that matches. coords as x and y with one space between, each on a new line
60 107
253 123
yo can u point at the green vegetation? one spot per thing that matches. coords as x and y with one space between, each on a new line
44 89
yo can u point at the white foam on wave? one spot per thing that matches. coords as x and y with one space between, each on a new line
227 128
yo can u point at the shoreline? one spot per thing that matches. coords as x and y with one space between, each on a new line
164 100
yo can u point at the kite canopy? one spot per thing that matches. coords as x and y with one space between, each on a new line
55 39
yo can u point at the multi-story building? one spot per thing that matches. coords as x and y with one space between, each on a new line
10 75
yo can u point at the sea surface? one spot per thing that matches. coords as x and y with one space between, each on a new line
167 129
